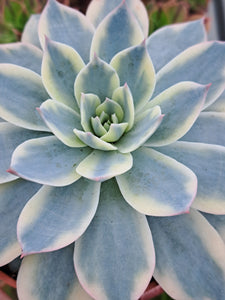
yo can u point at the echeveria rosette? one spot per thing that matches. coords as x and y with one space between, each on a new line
80 104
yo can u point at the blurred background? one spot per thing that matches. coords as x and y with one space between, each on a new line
15 13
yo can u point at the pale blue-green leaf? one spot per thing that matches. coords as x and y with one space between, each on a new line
203 63
101 166
115 132
48 276
114 258
21 54
167 42
218 222
97 126
208 128
61 120
60 66
157 184
134 67
57 216
110 107
48 161
97 10
93 141
88 105
208 163
10 137
21 92
66 25
144 126
190 255
181 104
97 78
123 96
218 105
118 30
14 195
30 31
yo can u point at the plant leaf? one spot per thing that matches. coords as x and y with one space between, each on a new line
56 216
193 247
218 222
208 163
88 105
30 32
148 186
218 105
167 42
30 159
106 40
101 166
114 258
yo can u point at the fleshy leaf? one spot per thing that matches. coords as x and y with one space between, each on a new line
97 126
54 273
203 63
190 255
135 68
60 67
10 137
118 30
167 42
101 166
56 216
208 163
207 129
55 23
21 92
109 107
114 258
114 133
97 10
21 54
144 126
14 195
123 97
88 105
93 141
30 32
61 119
148 186
218 222
181 104
218 105
30 159
97 78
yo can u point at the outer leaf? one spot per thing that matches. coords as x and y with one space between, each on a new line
207 129
148 186
21 92
88 105
144 126
93 141
97 10
97 78
123 97
168 41
30 159
10 137
60 67
61 120
101 166
58 21
30 32
135 67
21 54
218 222
218 105
203 63
208 163
54 273
14 196
190 257
181 104
106 40
56 216
122 262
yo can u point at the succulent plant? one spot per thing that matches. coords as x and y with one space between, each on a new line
114 149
